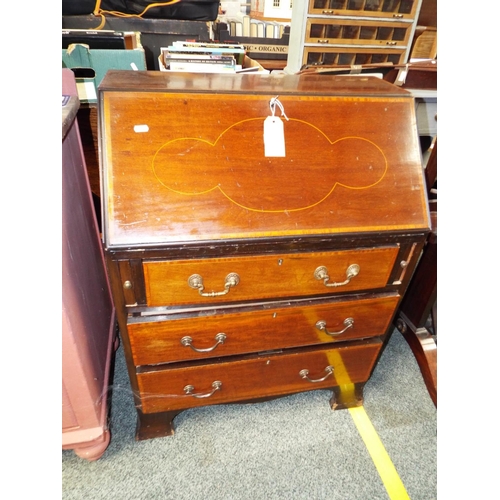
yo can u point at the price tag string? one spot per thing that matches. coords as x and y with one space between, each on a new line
276 102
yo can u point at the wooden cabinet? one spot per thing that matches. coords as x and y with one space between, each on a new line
88 313
351 32
242 271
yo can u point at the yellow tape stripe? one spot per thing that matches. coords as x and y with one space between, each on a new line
383 463
387 472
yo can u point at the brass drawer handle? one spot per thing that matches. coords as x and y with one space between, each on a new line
323 40
321 273
196 281
216 386
187 342
391 43
304 374
321 325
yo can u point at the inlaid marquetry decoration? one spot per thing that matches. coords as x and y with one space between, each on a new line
230 166
180 166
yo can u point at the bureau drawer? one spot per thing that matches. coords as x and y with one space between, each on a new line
257 377
258 329
266 276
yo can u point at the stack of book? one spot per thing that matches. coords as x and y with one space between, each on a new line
205 57
247 26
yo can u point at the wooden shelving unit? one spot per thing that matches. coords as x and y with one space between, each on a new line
351 32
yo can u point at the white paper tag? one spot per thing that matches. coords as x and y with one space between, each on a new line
139 129
401 78
274 136
86 90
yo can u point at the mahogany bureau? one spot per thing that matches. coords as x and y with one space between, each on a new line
259 231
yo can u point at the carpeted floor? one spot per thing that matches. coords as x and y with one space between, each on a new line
290 448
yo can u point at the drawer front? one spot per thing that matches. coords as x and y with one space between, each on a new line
342 56
392 9
389 34
264 376
265 329
260 277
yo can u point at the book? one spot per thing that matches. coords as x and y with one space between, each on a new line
198 57
232 28
246 25
207 45
253 28
202 67
237 50
225 60
269 30
261 29
176 60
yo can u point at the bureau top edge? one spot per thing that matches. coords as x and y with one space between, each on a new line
305 242
273 83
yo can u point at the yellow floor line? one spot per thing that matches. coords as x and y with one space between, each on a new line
383 463
387 472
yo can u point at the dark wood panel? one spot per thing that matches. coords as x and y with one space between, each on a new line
131 81
87 123
428 13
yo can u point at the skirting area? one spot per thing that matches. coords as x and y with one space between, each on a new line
290 448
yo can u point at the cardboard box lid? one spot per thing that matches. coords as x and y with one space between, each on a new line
91 65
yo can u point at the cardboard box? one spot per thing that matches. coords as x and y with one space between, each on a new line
257 48
90 66
155 33
249 65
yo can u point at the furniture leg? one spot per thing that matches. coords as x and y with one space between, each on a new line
347 396
96 449
151 425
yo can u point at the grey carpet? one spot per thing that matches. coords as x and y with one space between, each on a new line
290 448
